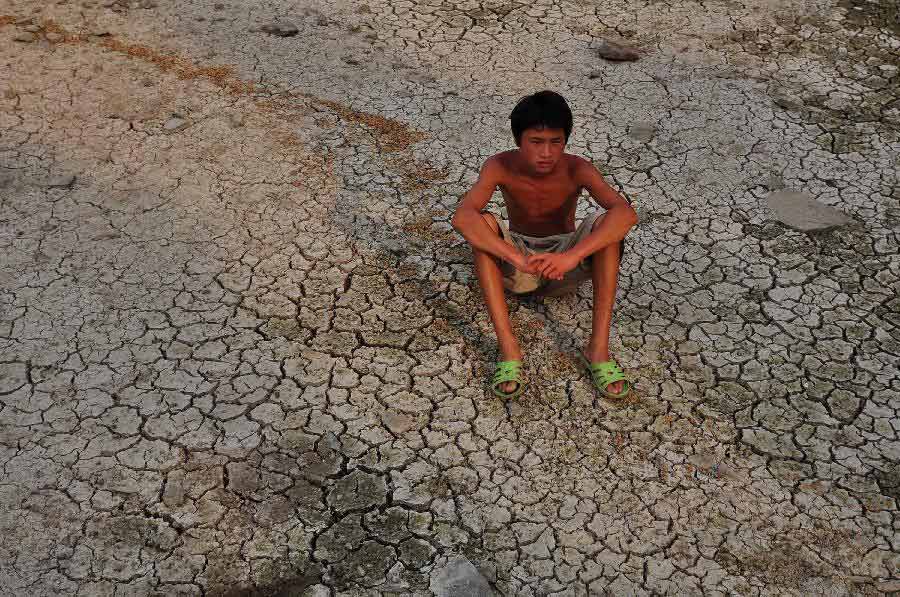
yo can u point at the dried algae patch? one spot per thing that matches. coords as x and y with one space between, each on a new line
394 135
64 35
422 227
391 135
558 366
221 76
416 176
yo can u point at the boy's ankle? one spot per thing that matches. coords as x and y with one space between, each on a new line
597 355
510 354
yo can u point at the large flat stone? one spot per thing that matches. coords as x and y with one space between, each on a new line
642 131
802 212
357 491
460 577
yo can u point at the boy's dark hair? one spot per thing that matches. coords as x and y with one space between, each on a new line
544 109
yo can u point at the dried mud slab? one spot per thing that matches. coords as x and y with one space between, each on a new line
242 352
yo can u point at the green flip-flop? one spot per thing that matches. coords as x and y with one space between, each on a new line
607 372
508 371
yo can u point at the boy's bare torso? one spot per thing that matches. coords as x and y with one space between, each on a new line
539 206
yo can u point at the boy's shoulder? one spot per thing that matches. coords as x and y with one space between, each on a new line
504 159
576 162
499 167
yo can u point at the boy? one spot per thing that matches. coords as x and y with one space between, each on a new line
542 251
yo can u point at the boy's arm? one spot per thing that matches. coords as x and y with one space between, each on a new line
469 222
616 222
619 218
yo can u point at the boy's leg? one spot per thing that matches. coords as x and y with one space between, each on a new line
604 275
490 278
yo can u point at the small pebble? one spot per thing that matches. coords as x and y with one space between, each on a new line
280 29
174 124
25 37
62 181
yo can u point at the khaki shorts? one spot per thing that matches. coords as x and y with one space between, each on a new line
519 282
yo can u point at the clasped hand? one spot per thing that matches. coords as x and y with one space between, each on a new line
552 266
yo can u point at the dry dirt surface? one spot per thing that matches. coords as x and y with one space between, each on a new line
243 353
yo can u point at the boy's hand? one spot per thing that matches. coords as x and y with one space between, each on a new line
553 266
523 264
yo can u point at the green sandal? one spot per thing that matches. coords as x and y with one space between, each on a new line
608 372
508 371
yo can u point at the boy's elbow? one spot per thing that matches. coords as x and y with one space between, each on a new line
456 221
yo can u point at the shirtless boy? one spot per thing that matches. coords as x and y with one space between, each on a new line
541 250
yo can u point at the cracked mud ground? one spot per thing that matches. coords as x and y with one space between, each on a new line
241 351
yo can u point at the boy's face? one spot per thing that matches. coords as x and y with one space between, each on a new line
542 148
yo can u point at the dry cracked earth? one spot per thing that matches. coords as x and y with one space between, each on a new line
243 353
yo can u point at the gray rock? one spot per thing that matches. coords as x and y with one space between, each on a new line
801 212
357 491
398 423
787 100
12 377
54 37
25 37
642 131
280 28
62 181
175 124
460 577
331 440
316 591
611 50
773 182
703 460
32 28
